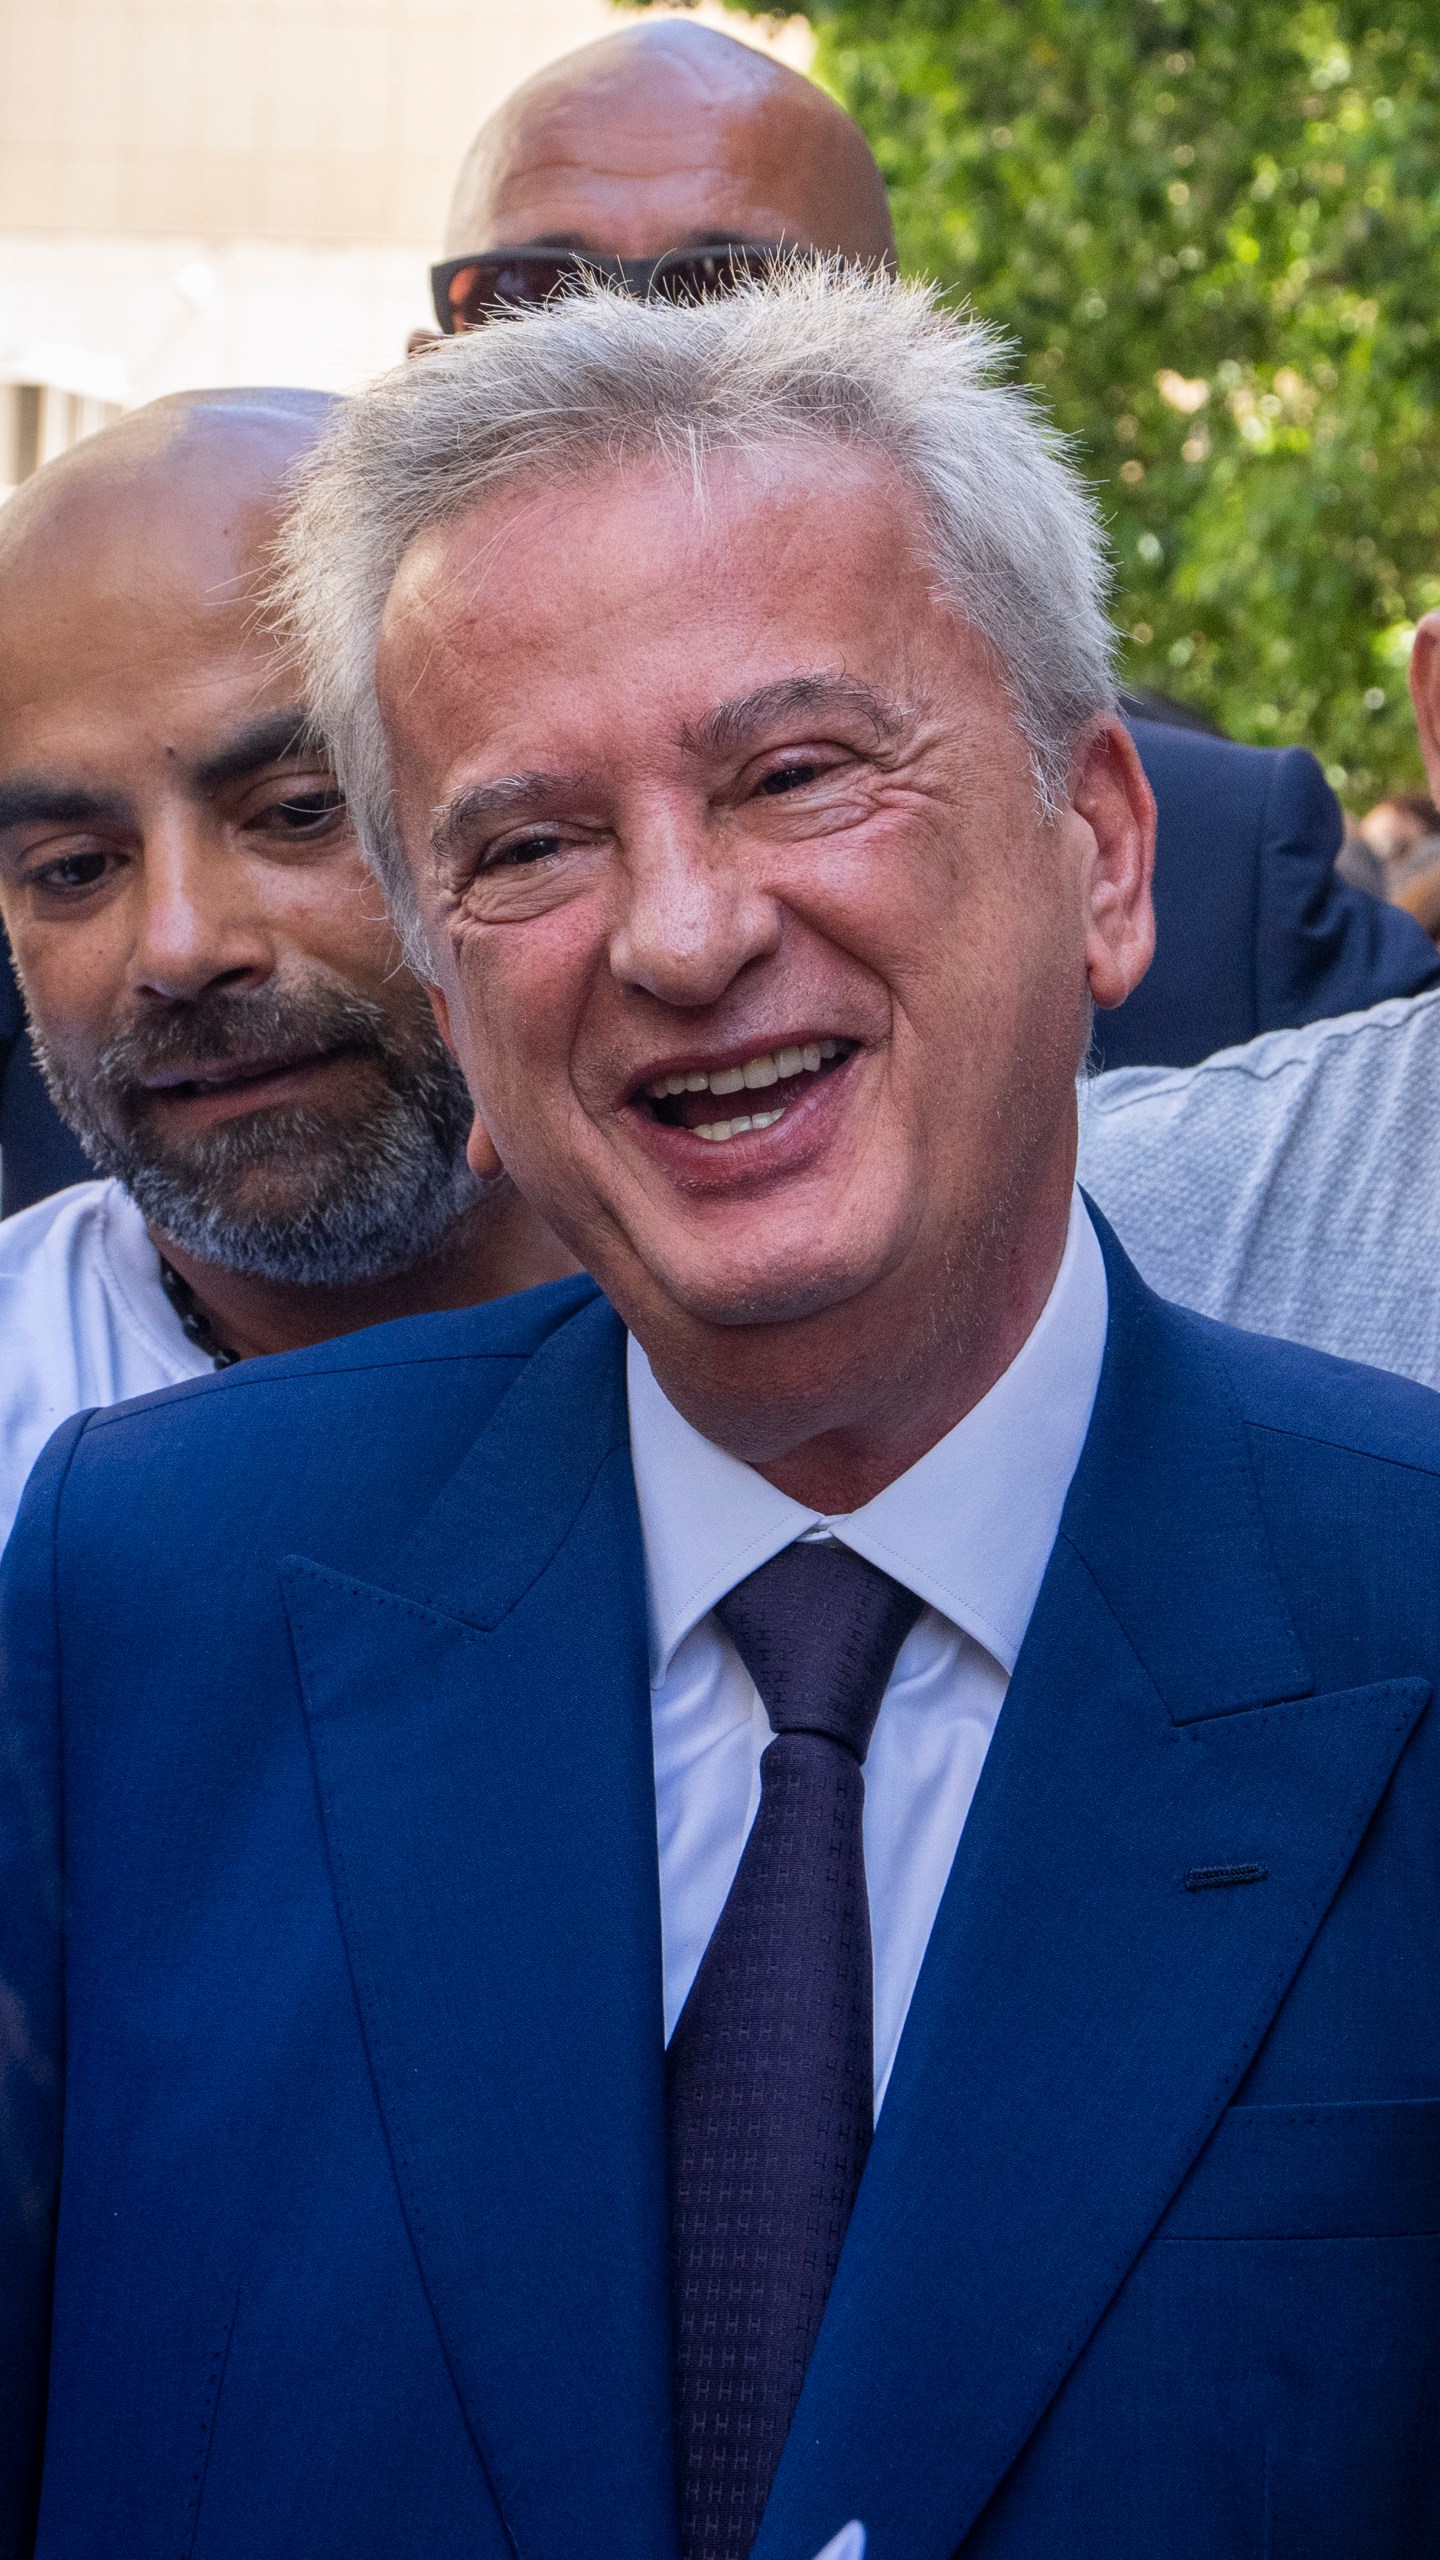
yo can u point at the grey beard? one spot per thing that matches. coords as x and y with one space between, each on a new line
363 1200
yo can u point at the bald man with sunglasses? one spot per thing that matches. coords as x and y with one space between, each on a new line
667 156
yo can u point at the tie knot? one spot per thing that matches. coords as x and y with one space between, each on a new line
818 1629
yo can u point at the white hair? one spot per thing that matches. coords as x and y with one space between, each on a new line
812 353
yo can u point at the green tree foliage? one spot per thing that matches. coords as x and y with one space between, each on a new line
1213 228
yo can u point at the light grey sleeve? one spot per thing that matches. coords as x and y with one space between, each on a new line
1291 1186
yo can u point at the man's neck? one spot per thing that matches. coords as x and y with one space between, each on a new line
833 1421
499 1246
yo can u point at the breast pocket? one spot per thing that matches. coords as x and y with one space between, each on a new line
1368 2171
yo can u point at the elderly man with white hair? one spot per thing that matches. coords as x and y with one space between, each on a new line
793 1886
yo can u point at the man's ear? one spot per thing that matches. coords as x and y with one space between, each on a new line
440 1007
1425 694
480 1152
1110 793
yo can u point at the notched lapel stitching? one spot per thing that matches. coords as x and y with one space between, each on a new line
379 1594
485 1621
474 1622
1298 1691
1245 1483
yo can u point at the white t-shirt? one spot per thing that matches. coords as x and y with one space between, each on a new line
83 1321
1291 1186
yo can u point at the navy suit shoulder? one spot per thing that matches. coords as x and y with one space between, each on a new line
1325 1402
509 1328
293 1392
1324 947
1308 1483
325 1450
303 1435
1256 930
1347 1467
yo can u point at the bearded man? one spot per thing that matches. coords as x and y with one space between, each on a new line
217 998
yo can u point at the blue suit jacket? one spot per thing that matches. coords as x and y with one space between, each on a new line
331 1994
1255 929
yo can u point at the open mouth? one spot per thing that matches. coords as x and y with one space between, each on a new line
721 1103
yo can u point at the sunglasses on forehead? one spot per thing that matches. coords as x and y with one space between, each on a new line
469 291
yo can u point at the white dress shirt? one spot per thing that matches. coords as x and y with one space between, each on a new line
969 1528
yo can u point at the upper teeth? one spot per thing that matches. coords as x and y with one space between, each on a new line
768 1068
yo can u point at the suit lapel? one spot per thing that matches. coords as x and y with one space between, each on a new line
1082 2016
482 1744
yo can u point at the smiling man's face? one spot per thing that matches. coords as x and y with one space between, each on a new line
768 973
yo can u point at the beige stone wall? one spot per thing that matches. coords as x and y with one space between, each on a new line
229 191
321 122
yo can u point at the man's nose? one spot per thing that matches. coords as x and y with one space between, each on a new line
196 928
694 915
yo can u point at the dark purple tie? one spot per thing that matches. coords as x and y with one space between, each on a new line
770 2070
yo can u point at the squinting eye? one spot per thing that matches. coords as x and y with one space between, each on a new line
524 849
788 777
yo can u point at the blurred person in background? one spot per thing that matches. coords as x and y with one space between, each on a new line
1399 825
1291 1185
1394 852
1407 829
219 1003
674 159
1419 891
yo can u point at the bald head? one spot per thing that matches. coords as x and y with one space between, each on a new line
664 135
195 479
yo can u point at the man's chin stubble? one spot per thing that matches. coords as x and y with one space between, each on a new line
366 1211
290 1195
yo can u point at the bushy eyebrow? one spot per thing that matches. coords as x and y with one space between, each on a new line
733 725
276 737
488 804
28 799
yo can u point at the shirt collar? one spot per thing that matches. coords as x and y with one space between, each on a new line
968 1528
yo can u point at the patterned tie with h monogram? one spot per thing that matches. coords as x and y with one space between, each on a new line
770 2070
